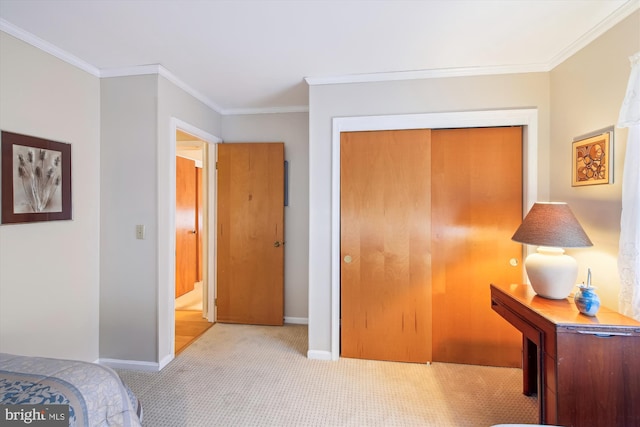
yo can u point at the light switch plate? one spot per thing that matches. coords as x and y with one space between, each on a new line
140 231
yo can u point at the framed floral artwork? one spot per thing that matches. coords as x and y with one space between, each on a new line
36 179
592 160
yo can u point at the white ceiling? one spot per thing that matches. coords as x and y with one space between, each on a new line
250 56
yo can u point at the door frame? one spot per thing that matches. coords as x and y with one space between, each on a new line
167 239
528 118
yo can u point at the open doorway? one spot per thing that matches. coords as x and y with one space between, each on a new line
190 290
166 234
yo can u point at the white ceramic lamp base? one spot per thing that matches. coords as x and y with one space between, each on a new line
552 273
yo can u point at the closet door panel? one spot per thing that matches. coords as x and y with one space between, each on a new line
476 207
385 245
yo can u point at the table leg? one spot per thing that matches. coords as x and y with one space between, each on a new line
529 367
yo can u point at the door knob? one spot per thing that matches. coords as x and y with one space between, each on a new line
513 262
348 259
193 232
277 244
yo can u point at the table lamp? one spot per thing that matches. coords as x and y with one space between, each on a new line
551 226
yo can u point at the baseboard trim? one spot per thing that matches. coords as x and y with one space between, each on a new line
296 320
134 365
165 361
319 355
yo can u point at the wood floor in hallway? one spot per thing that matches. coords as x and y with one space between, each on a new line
189 326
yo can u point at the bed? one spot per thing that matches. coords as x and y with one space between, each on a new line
95 394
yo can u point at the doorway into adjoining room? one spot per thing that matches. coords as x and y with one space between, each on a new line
190 292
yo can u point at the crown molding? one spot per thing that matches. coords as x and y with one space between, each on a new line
162 71
138 70
426 74
618 15
63 55
45 46
613 19
267 110
142 70
191 91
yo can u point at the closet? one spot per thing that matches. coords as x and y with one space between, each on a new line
426 224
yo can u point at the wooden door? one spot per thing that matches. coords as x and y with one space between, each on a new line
250 233
186 230
385 245
199 225
476 207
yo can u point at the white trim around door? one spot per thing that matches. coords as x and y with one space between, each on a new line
167 237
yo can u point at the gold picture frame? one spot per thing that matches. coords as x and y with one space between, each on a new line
592 162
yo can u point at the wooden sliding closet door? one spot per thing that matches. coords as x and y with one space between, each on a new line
385 245
476 207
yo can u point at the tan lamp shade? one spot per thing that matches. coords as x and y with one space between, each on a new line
551 224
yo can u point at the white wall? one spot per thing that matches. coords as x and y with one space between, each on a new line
128 273
49 271
293 130
586 94
138 170
392 98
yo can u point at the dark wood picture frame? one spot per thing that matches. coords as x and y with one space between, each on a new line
36 179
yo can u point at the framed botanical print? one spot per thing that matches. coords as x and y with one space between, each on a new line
36 179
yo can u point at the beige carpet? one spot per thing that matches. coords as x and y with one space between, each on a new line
238 375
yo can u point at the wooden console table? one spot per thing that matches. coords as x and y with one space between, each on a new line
585 370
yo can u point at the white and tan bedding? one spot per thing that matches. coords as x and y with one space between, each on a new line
95 394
